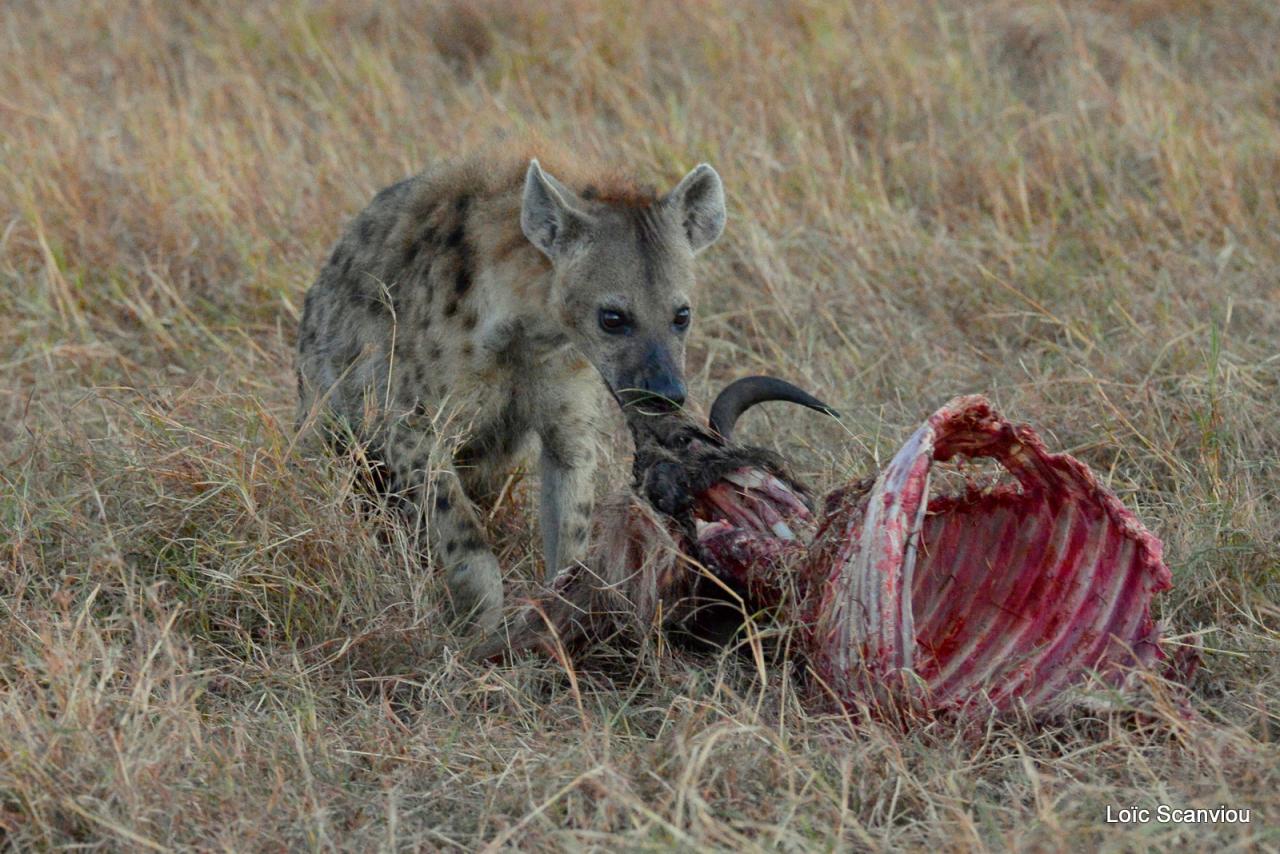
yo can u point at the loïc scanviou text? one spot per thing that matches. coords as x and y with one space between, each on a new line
1221 814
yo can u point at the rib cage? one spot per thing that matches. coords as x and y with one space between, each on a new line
1011 594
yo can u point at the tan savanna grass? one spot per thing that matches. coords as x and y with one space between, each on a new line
1071 207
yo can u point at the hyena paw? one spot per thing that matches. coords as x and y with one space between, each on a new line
475 593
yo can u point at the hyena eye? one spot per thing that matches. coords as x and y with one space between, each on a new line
681 320
614 322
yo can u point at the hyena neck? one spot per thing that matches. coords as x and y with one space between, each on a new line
525 337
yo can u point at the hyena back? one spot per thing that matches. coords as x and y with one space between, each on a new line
491 286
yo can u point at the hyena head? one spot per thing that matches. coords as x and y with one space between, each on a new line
623 274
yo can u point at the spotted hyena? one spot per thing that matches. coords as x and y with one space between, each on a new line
504 293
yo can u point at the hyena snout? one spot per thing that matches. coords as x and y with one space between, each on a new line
655 382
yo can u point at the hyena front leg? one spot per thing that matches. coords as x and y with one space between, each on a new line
453 529
568 467
471 570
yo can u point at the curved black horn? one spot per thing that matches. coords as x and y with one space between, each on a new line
741 395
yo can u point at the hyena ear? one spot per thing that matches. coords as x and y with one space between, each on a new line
548 216
699 198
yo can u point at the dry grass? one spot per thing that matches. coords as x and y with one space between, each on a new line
1072 207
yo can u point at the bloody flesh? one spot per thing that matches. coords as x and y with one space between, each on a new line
999 596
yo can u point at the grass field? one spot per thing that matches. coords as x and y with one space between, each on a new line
1073 208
